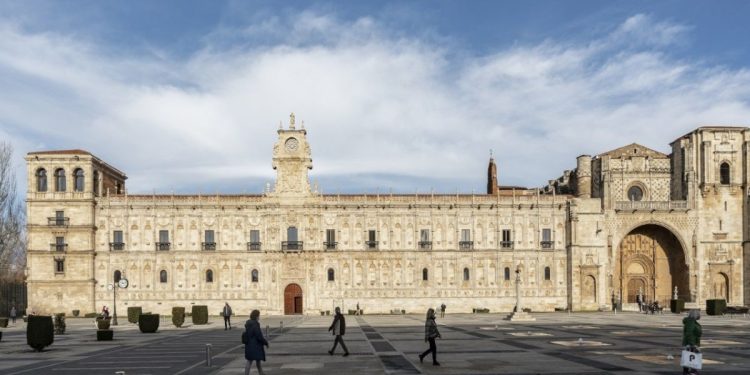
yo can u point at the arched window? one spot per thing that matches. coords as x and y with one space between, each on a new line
635 194
466 274
331 275
163 276
547 275
506 274
118 276
425 275
60 179
78 179
41 180
95 181
254 276
209 276
724 173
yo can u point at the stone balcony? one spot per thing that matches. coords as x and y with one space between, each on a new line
651 205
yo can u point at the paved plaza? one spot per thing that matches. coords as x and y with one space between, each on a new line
556 343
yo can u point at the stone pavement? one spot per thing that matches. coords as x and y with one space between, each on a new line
556 343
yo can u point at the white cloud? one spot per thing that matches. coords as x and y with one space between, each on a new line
375 103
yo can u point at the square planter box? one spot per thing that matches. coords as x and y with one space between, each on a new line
715 306
677 306
104 334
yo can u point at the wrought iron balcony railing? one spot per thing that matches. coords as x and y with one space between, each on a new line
58 221
291 245
58 247
163 246
506 244
546 244
330 245
116 246
208 245
253 246
466 245
425 245
372 245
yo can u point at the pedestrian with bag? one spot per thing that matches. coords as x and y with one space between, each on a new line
227 313
430 334
254 343
691 341
339 329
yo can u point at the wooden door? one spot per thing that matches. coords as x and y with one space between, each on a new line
292 299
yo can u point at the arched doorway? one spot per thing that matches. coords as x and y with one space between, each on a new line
292 299
651 261
720 286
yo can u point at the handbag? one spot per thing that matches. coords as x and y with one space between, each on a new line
244 338
691 360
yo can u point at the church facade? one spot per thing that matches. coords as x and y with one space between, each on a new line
625 222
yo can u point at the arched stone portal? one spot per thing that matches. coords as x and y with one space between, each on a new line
292 299
652 261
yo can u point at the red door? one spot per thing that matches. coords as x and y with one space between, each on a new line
292 299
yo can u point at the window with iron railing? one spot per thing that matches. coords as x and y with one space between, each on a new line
254 243
163 244
466 243
372 242
507 241
424 239
330 242
116 243
59 220
546 242
209 242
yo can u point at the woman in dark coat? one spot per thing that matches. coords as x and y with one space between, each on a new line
691 336
430 334
254 342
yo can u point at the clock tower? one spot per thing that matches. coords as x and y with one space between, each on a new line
292 160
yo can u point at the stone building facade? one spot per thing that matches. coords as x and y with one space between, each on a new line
624 222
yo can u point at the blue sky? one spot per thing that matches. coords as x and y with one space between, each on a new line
186 96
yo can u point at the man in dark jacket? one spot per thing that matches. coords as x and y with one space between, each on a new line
339 329
254 343
227 313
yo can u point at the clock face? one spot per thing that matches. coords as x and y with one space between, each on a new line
123 283
291 144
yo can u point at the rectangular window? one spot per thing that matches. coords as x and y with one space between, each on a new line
507 242
254 243
59 266
372 242
424 239
163 243
466 243
546 238
60 244
330 243
209 242
59 219
117 243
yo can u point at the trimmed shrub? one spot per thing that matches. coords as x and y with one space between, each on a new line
90 315
40 332
105 335
76 313
178 316
716 306
480 310
102 323
148 323
133 313
200 314
676 305
60 324
3 322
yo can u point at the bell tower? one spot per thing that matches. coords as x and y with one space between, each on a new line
292 160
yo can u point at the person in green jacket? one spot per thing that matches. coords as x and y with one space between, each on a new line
691 336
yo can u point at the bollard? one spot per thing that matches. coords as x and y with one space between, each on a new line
208 355
281 325
267 330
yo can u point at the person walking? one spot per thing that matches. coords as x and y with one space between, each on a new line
227 313
691 336
357 312
639 301
430 334
339 329
442 310
254 343
13 313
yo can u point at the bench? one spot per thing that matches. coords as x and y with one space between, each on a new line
735 310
